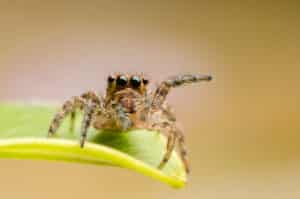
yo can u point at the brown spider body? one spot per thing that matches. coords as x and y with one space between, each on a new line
128 105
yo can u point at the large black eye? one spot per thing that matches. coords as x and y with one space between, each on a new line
145 81
110 79
122 80
135 81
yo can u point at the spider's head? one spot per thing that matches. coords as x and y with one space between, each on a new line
120 82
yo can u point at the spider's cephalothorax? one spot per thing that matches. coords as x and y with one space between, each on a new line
125 90
128 105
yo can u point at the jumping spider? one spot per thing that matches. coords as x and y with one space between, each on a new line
128 105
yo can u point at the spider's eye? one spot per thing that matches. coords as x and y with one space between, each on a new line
122 80
145 81
110 79
135 81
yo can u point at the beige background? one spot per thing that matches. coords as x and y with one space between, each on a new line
242 128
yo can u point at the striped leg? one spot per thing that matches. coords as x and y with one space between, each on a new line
94 105
182 149
170 147
90 95
72 121
174 133
163 89
68 107
89 110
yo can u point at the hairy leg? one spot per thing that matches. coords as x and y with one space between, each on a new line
182 149
92 96
163 89
174 134
94 105
87 96
170 128
72 120
171 140
68 107
89 110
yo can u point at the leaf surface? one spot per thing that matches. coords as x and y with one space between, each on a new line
23 130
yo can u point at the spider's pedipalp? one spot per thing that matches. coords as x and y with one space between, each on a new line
127 101
163 89
123 120
68 107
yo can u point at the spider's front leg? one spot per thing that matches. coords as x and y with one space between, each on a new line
94 104
87 101
68 107
89 111
163 89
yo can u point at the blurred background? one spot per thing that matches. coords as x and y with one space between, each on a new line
242 128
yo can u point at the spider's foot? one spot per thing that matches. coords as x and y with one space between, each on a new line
50 133
162 164
82 142
72 122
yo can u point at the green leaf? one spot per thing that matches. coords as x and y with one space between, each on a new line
23 130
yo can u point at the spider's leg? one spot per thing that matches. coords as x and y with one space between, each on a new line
90 95
174 134
163 89
169 149
89 111
72 120
94 105
171 128
68 107
182 149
